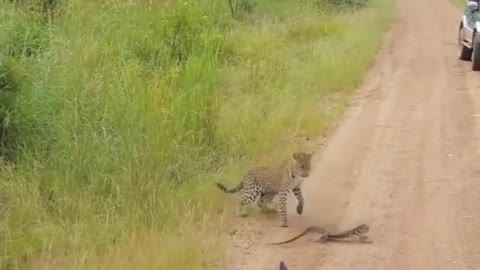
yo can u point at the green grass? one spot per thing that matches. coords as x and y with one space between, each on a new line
459 3
120 116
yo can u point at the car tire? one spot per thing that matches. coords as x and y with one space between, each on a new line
464 53
476 57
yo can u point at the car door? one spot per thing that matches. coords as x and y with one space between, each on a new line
475 17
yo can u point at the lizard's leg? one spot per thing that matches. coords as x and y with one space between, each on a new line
365 239
322 238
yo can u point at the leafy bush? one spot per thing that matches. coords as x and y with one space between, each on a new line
240 8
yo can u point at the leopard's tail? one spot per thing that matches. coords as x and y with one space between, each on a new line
227 190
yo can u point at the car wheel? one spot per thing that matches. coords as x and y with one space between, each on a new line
464 53
476 56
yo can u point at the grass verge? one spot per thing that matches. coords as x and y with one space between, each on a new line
118 117
459 3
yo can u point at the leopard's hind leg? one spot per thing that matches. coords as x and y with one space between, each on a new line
249 195
265 199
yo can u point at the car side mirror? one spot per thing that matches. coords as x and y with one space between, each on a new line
472 6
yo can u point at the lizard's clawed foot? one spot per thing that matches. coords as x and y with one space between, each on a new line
365 240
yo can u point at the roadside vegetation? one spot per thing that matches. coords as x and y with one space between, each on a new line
459 3
117 116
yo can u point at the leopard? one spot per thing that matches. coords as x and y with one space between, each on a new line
266 182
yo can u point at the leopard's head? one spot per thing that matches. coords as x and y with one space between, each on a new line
302 163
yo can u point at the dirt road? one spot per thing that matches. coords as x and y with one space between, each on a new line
405 160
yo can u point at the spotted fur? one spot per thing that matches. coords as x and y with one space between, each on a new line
264 183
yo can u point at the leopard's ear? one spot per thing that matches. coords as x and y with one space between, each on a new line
302 156
298 156
283 266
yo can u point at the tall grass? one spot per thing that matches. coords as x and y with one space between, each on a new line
118 116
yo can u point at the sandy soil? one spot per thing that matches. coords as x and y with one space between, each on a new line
404 160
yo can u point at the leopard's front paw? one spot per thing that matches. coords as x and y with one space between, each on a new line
299 209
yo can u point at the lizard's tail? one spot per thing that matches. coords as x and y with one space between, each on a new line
227 190
307 230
